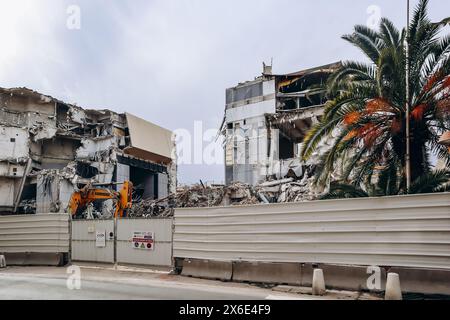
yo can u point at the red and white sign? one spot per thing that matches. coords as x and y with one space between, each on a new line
143 240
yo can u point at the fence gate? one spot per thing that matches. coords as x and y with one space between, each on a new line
144 241
93 240
127 241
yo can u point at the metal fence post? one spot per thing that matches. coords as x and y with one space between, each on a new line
115 243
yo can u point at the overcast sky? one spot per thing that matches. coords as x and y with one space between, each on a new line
171 61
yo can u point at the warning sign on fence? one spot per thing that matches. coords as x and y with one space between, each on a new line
100 239
143 240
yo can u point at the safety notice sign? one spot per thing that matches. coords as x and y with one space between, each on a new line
143 240
100 239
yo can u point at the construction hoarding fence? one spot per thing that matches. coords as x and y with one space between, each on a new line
144 241
35 239
284 242
126 241
93 240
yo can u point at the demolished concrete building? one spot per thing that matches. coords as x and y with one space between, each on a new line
264 126
49 148
266 121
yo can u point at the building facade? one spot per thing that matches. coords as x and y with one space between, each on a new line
49 148
266 121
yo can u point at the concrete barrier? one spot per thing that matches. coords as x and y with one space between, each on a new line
423 280
284 273
36 259
341 277
345 277
216 270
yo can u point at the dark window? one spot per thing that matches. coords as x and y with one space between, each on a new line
13 139
244 93
145 183
86 171
286 148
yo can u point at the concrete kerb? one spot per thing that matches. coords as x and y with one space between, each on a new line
34 259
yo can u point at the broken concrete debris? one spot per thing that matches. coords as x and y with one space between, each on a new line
49 149
196 196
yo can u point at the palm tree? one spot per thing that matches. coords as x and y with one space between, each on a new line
366 111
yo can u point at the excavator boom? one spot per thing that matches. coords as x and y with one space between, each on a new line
80 199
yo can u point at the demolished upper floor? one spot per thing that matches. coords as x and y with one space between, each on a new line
38 117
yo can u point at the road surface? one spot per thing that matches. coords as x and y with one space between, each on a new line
50 283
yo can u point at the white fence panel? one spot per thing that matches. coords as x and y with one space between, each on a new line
161 252
408 231
36 233
87 240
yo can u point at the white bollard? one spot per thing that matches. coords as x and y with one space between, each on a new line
2 261
318 283
393 290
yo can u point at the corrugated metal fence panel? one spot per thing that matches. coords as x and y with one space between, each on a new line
409 231
40 233
84 240
162 253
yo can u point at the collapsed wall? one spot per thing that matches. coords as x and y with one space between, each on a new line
49 149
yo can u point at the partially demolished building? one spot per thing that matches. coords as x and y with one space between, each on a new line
49 148
266 121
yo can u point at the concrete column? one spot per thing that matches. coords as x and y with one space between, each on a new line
393 290
122 174
318 283
149 187
163 185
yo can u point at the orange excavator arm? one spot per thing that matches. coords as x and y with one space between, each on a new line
88 194
125 199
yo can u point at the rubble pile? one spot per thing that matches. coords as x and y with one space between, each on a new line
151 208
297 190
199 195
28 206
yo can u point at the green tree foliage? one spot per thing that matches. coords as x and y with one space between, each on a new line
367 108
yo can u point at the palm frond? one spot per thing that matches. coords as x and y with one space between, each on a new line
430 182
341 190
390 33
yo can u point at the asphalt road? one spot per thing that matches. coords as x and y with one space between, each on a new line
51 283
